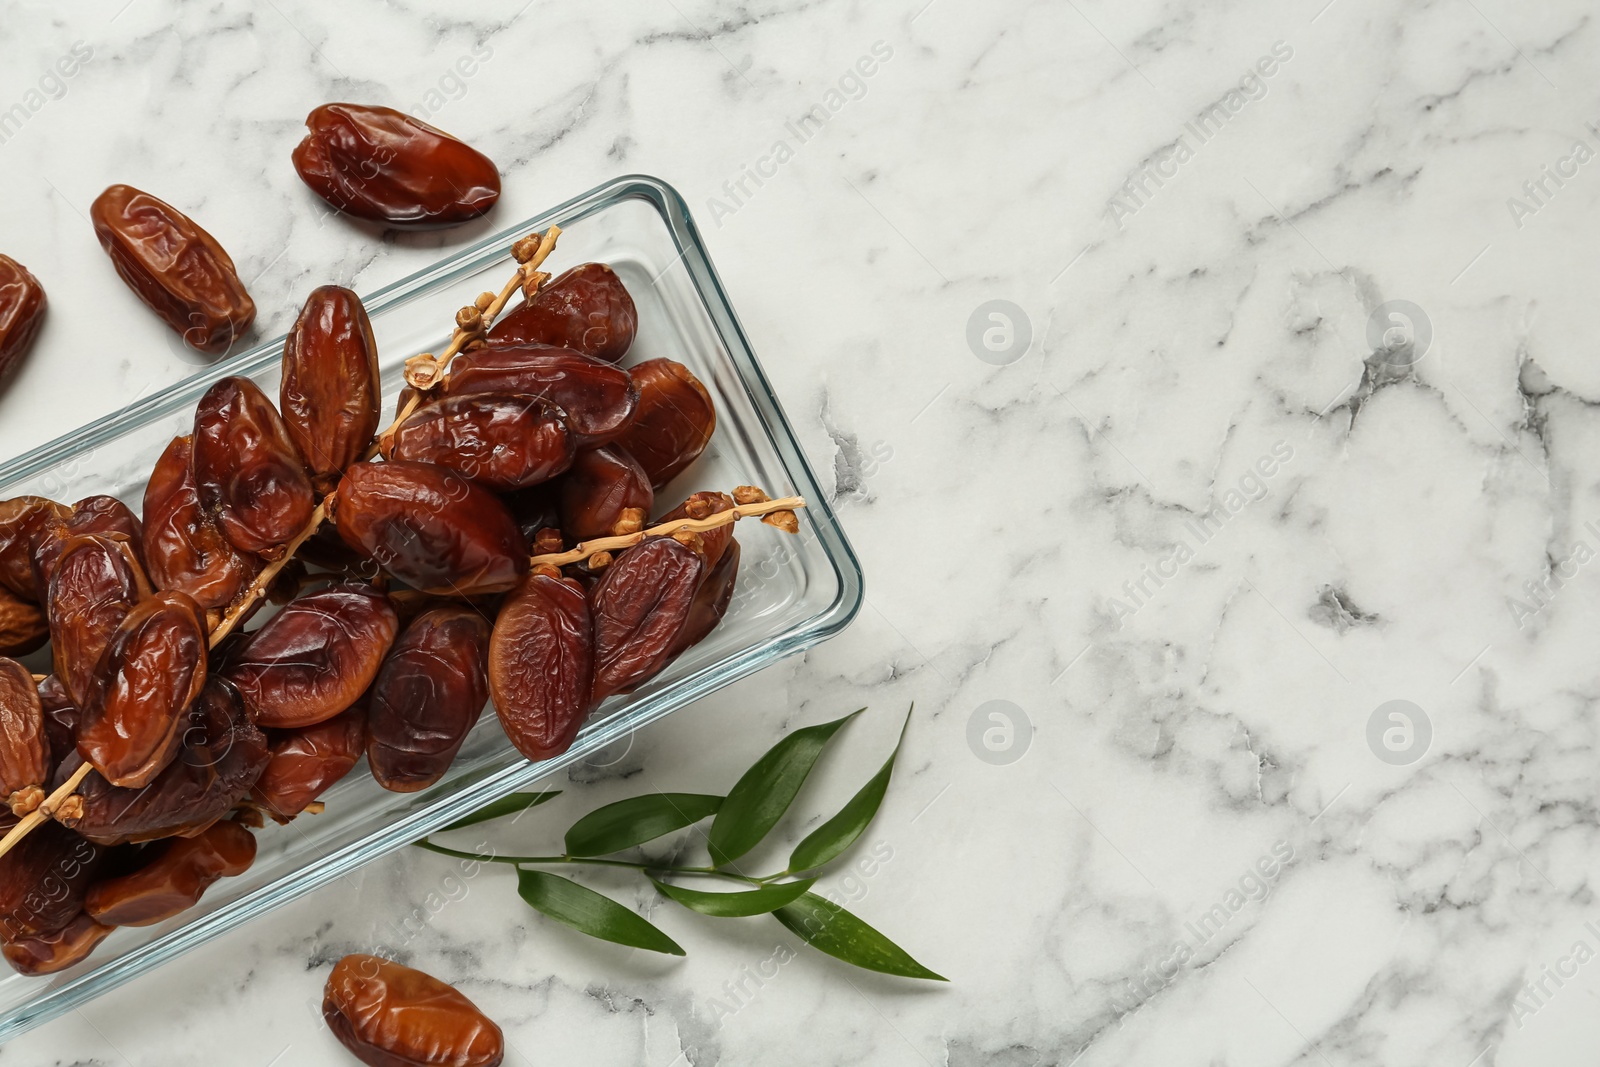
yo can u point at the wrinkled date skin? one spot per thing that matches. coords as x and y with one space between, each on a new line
314 658
331 393
602 482
503 442
247 469
23 627
307 761
674 421
388 1015
22 306
178 269
24 745
703 505
97 581
710 601
220 756
597 399
173 882
60 717
49 953
428 695
22 519
641 607
43 880
586 309
541 665
154 668
183 545
377 163
430 527
92 514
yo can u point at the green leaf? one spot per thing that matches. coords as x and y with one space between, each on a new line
507 805
591 913
829 928
759 799
736 905
636 820
827 841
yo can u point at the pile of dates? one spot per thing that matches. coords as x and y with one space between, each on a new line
400 564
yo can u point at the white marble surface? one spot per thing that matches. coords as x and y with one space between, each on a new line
1200 703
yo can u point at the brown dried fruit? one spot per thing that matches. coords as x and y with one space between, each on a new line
305 762
183 544
711 601
503 442
541 665
43 880
23 627
427 697
247 470
24 745
49 953
394 1016
641 608
597 399
314 658
175 878
673 423
331 390
603 483
21 520
97 581
22 307
178 269
586 309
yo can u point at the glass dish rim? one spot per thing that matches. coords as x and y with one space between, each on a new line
818 515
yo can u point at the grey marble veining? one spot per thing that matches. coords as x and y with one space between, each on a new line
1288 415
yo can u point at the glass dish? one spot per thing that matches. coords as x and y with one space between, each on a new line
792 591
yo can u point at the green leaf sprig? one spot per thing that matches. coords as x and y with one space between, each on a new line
741 820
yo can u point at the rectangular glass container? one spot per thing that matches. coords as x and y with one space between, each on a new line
792 591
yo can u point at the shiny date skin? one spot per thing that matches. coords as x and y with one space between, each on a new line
22 309
674 421
503 442
597 399
92 514
602 484
381 164
183 546
305 762
586 309
153 668
24 745
23 627
48 953
22 518
97 581
175 879
703 505
178 269
60 717
220 756
388 1015
331 391
641 607
247 470
427 697
711 601
430 527
314 658
541 664
43 880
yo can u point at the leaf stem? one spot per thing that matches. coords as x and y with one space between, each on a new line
648 868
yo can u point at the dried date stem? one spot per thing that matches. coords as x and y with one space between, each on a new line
426 371
44 810
782 510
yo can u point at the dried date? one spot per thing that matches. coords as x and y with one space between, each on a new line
22 308
430 527
381 164
48 953
711 601
153 668
24 745
604 483
43 880
503 442
586 309
178 269
541 664
703 505
331 391
92 514
427 697
388 1015
60 717
674 421
21 520
305 762
183 544
174 880
220 756
247 470
23 627
597 399
97 581
641 607
314 658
